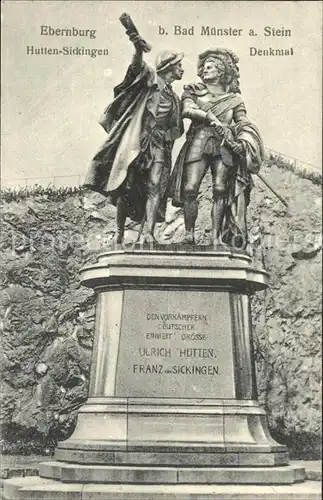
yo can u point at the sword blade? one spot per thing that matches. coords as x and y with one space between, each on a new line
284 202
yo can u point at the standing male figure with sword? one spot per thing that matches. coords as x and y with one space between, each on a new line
221 138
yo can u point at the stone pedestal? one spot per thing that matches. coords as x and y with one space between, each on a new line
172 397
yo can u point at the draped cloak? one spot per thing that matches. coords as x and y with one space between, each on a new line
120 167
233 231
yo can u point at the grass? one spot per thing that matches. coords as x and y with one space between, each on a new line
304 173
51 192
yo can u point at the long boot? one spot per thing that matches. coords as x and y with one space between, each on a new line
121 220
152 206
217 219
190 216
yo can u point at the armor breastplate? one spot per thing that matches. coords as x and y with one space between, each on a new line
205 102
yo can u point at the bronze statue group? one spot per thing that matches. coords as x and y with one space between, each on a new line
133 168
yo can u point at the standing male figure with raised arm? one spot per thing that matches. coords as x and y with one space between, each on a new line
133 165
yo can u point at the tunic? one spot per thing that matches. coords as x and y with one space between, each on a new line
202 139
142 123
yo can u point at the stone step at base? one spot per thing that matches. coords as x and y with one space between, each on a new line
238 457
71 473
31 488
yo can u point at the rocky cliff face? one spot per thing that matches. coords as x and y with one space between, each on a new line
47 318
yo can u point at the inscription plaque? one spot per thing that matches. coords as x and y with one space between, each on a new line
175 344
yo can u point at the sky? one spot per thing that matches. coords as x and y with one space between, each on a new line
51 103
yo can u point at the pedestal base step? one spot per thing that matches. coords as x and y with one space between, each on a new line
71 473
236 457
32 488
